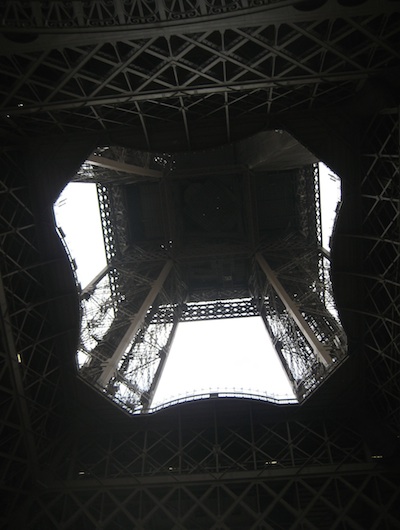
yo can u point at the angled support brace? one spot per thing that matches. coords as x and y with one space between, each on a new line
107 163
163 360
88 290
278 349
318 348
112 363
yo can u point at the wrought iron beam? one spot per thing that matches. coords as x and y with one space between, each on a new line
272 14
115 165
318 348
87 291
163 360
182 91
218 309
111 365
270 472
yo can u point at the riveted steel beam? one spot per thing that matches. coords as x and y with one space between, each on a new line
111 365
318 348
61 37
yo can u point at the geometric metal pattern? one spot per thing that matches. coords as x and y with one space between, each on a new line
299 474
306 361
30 376
126 361
173 76
287 503
186 74
380 190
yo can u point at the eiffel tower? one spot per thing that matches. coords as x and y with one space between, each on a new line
189 243
201 123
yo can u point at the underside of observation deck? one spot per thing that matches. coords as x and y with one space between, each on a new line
178 78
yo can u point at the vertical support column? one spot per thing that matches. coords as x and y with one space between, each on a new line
318 348
137 322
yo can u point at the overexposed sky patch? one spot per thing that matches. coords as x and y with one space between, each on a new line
77 213
330 191
216 355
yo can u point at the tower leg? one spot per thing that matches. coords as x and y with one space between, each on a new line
318 348
112 363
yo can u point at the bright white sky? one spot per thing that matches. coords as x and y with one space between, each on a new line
77 213
232 354
330 190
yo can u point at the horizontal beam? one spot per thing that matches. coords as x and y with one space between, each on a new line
270 472
182 91
219 309
114 165
273 14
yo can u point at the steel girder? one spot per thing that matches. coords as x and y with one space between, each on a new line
276 58
294 474
305 503
357 496
294 304
304 329
18 15
30 375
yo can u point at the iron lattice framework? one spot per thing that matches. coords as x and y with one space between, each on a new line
30 367
302 363
197 75
137 358
166 77
380 189
300 474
